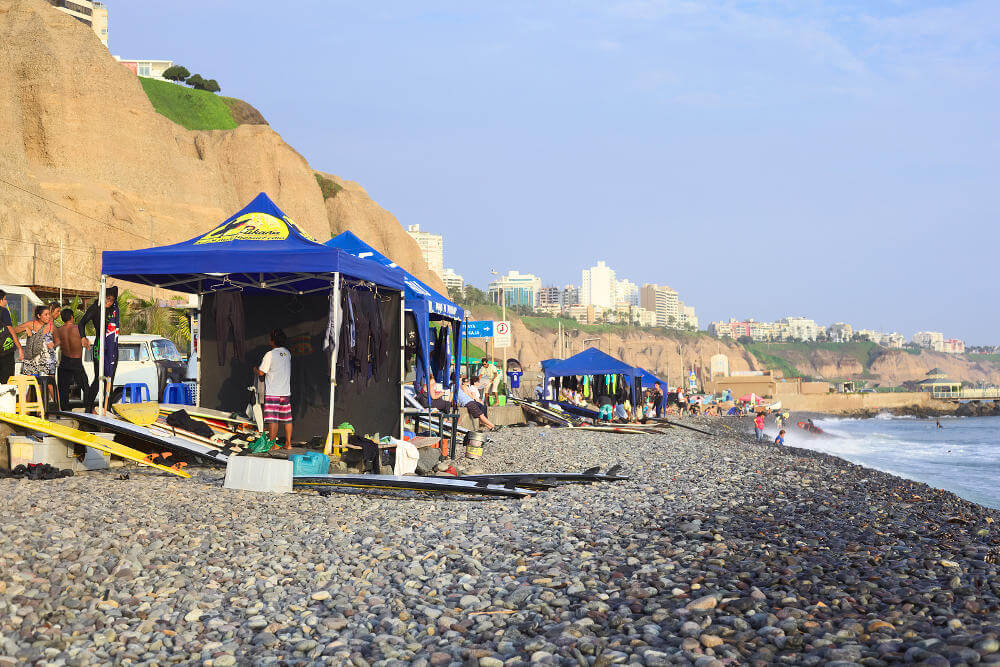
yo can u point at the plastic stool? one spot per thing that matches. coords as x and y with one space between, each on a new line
191 389
336 441
135 392
24 406
44 382
175 393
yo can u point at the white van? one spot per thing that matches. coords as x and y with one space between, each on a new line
147 358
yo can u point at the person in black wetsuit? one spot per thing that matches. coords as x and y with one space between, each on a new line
106 347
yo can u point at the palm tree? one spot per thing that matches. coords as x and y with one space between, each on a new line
146 316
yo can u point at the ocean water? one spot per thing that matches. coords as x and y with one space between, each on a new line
962 457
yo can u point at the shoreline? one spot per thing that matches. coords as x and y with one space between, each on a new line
717 550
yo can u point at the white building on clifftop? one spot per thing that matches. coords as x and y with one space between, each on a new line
431 247
87 12
598 287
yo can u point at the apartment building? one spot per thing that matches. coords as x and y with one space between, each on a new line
516 289
664 302
932 340
453 281
91 14
431 247
598 286
841 332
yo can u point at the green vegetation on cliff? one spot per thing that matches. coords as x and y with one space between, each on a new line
191 109
544 324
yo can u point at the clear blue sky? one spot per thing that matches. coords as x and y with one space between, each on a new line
836 159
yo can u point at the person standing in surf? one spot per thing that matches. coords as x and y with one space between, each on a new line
276 369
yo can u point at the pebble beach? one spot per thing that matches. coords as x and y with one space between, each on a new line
717 551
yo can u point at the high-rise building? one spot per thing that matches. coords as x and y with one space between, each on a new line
88 12
550 299
598 287
453 281
431 247
570 296
664 302
518 289
626 291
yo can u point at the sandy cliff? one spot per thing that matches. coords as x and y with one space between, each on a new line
76 128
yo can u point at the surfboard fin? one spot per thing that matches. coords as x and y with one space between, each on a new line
596 470
614 470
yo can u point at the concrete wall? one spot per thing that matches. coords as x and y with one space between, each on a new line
815 387
501 415
837 403
762 385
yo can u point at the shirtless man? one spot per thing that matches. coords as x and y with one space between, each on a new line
70 370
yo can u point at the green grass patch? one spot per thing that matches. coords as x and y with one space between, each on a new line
863 351
774 362
540 324
189 108
328 187
988 358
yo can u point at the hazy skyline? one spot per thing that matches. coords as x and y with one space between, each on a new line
835 160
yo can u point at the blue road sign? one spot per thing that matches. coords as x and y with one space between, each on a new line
478 329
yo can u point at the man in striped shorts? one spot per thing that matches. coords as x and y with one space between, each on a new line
276 369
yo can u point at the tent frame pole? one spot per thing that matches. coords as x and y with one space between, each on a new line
197 341
99 333
335 295
402 363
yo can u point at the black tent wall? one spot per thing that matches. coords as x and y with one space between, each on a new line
374 407
371 408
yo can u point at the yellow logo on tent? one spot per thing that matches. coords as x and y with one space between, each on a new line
249 227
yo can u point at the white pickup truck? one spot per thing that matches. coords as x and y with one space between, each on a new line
147 358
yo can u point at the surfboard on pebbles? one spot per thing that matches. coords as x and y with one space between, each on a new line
156 460
149 435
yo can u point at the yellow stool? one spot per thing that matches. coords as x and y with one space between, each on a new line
336 441
24 406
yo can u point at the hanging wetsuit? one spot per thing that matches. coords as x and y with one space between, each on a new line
347 354
364 301
229 320
108 348
380 341
440 359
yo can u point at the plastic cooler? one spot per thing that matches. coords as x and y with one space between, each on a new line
310 463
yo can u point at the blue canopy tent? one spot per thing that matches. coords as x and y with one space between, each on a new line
425 303
262 254
648 380
591 362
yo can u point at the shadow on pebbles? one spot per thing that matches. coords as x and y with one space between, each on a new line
716 551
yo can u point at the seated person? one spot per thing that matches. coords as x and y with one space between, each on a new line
468 398
623 411
437 401
606 407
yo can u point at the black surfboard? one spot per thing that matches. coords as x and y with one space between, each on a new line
149 436
585 477
410 483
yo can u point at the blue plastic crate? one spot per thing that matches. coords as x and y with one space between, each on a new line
310 463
